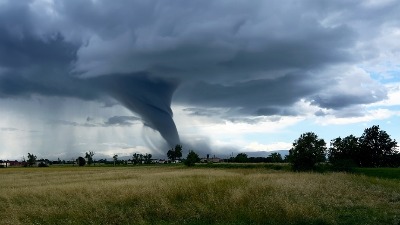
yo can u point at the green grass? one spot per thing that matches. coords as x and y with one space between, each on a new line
272 166
389 173
200 195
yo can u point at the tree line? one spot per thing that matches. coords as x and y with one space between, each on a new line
374 148
174 155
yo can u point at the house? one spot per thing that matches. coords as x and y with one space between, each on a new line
159 161
42 162
211 160
8 163
4 164
16 163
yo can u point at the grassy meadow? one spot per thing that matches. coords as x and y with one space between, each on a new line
200 195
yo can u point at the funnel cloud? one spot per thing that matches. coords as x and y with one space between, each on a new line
149 97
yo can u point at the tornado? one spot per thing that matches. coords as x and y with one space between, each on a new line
148 96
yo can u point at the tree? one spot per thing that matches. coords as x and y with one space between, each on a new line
31 159
344 153
178 151
192 158
115 157
275 157
171 155
375 147
81 161
241 158
141 157
147 158
135 158
89 157
307 151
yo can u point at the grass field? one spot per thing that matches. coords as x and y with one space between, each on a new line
178 195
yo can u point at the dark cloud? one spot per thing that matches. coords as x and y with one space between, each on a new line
246 120
270 111
121 121
320 113
10 129
207 112
255 97
91 122
71 123
248 59
340 100
245 43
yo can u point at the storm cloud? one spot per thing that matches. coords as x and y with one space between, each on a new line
255 58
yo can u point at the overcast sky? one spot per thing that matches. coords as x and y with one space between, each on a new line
221 76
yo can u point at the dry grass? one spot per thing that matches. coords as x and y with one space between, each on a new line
176 195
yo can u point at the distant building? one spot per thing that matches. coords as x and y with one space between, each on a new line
42 162
8 163
4 163
211 160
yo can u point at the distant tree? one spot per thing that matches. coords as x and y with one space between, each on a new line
136 158
147 158
344 153
192 158
115 158
307 151
275 157
375 147
171 154
31 159
178 151
81 161
141 158
241 158
89 157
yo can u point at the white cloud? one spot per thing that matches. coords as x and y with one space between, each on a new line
256 146
371 115
124 152
377 3
393 96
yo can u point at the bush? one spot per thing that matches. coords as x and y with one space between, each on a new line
42 164
346 165
81 161
241 158
191 159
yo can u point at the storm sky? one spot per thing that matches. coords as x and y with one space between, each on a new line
222 76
